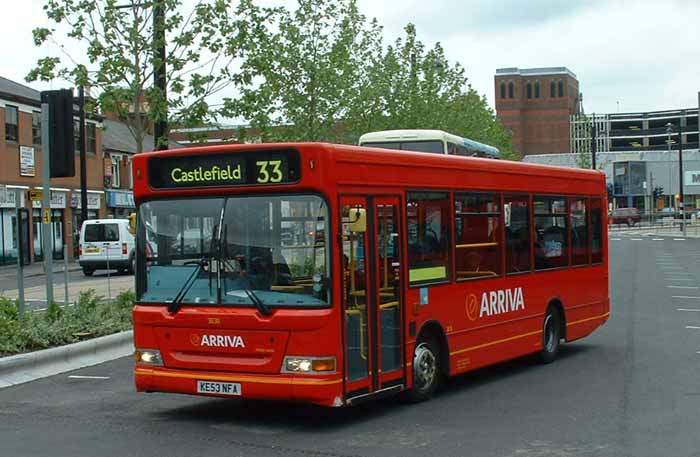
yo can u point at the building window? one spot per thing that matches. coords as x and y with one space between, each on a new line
552 89
478 235
511 89
91 137
551 243
503 90
428 218
516 211
537 89
116 168
11 123
529 90
36 128
561 88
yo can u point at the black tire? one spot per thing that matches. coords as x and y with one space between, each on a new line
551 335
132 265
88 271
426 370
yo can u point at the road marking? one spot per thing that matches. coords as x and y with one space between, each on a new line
657 239
679 279
637 239
683 287
76 376
615 239
692 310
679 239
685 297
692 327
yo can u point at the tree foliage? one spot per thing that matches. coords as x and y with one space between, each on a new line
201 46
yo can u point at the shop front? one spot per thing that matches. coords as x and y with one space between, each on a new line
8 226
58 240
120 203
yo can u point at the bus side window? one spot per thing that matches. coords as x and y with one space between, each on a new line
478 243
516 210
551 244
428 236
596 230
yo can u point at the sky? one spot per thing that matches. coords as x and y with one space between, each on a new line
628 55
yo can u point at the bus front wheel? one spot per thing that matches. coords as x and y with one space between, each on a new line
426 370
551 336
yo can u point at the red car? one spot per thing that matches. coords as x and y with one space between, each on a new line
629 216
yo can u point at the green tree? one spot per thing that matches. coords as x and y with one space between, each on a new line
302 75
408 86
201 47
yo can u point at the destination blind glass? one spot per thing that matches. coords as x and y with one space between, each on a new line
225 169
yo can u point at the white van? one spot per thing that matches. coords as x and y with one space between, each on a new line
106 244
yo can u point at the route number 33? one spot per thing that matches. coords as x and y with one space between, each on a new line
269 171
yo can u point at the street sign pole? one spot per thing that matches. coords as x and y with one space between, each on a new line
46 202
20 254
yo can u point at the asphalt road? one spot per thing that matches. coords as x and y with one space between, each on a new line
630 389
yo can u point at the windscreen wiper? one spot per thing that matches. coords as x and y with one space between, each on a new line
262 307
175 305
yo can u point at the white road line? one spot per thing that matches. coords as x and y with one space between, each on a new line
615 239
75 376
683 287
637 239
685 297
689 309
679 279
657 239
692 327
679 239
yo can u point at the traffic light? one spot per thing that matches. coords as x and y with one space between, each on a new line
61 142
658 192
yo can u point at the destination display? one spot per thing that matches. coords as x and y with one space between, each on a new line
225 169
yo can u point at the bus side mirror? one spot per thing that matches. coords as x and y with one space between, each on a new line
132 223
358 220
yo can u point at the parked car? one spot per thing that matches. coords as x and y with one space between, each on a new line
629 216
106 244
667 212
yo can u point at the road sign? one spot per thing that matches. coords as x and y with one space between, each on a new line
46 218
36 195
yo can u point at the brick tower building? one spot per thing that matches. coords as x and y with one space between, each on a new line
535 104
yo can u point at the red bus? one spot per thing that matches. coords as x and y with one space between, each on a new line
334 274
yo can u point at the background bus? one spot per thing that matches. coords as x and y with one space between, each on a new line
435 141
333 274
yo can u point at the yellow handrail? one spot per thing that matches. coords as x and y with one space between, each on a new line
476 245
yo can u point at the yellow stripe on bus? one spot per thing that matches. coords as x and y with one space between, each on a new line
165 374
427 273
523 335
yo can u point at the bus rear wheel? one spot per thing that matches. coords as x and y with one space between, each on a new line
426 370
551 335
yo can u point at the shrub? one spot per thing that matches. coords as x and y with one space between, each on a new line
90 317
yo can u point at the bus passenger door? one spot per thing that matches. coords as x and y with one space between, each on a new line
372 296
387 305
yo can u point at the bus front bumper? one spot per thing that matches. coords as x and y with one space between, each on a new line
320 390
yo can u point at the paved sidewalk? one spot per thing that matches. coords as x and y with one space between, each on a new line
35 269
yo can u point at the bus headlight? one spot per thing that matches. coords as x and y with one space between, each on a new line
148 357
309 365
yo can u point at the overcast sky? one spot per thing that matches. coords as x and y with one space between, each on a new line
628 55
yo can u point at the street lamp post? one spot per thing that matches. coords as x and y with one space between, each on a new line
669 130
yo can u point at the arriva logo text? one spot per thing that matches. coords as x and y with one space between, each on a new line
501 301
221 341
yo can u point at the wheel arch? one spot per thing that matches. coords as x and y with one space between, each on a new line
434 330
556 302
